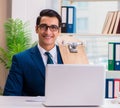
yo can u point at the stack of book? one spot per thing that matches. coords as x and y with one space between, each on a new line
112 88
112 23
113 84
114 56
68 14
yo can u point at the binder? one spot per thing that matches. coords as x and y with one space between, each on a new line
108 22
113 22
105 23
111 56
117 56
109 93
117 24
64 19
71 19
116 87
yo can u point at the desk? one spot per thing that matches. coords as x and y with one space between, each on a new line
30 102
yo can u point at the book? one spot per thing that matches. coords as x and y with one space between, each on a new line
108 22
109 91
68 14
111 56
117 56
105 23
116 87
117 24
71 19
113 22
64 19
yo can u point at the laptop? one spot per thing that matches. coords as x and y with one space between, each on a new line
74 85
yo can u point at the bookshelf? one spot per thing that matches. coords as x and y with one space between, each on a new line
96 46
89 13
71 1
89 0
112 23
113 74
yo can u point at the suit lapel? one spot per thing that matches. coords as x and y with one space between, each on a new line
38 60
59 58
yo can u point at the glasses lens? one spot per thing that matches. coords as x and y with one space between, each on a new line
43 26
53 27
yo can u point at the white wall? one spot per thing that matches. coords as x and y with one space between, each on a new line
28 10
53 4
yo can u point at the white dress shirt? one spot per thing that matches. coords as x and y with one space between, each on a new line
53 53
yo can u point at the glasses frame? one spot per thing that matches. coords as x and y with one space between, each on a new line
52 28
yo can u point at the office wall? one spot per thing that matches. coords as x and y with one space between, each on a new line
28 10
5 12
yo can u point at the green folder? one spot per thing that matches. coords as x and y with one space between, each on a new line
111 57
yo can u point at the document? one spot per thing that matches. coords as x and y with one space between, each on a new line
36 99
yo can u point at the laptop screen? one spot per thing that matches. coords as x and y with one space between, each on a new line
74 85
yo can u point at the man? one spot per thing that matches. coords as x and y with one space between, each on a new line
27 73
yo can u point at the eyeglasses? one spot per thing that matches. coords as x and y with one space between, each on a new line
45 27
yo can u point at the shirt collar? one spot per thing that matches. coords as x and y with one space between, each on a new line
52 51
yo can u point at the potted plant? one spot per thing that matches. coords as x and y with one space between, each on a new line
17 39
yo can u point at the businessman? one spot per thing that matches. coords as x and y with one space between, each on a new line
27 73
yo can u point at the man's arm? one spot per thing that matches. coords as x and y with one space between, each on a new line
14 81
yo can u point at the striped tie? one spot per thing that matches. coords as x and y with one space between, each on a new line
49 60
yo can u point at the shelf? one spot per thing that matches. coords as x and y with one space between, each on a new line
113 74
96 45
90 38
89 14
89 0
79 34
72 1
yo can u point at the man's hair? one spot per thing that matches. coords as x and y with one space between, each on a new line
49 13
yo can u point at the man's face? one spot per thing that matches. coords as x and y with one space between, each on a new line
48 31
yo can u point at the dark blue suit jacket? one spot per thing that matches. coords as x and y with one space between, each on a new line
27 74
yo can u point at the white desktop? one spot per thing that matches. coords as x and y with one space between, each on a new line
37 102
59 80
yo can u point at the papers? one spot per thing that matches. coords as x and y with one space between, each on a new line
36 99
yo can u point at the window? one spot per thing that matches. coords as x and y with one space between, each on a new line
90 20
82 25
91 15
